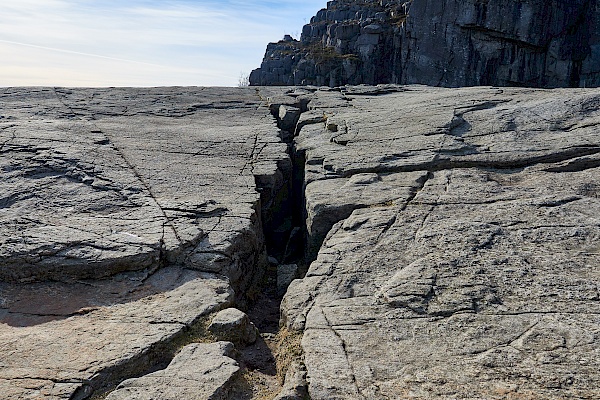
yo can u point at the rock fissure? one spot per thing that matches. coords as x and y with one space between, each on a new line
413 267
273 202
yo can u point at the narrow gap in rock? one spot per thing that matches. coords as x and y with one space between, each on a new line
283 217
265 362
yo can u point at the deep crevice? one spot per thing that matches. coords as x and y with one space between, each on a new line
283 218
284 214
280 224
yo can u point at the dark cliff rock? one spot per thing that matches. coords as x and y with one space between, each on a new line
451 43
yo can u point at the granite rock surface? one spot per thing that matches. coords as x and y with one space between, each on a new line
459 232
450 237
127 217
198 372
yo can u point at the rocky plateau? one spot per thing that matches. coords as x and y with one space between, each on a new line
445 243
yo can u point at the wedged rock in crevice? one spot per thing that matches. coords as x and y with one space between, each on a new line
482 282
233 325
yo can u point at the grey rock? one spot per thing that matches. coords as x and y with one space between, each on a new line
233 325
295 386
373 29
448 43
198 372
127 217
288 117
454 236
285 275
463 263
106 198
90 333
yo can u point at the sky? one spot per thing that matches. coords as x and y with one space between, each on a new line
101 43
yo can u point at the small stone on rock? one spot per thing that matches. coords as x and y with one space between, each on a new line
233 325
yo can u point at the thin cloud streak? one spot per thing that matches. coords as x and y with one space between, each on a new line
80 53
51 68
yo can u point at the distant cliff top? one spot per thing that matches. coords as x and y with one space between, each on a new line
537 43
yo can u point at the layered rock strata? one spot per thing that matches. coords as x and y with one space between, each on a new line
441 43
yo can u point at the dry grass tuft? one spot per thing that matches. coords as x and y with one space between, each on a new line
289 349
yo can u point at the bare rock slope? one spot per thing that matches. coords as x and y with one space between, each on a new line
450 236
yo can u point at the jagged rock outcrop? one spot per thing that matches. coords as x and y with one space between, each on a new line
442 43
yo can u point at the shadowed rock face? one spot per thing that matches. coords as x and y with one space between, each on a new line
442 43
451 237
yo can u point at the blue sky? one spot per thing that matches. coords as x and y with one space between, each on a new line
140 42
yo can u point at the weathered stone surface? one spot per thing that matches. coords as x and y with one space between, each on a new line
127 216
92 340
442 43
198 372
455 235
470 270
233 325
295 387
104 180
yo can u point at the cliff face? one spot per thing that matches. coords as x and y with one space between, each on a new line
349 42
444 43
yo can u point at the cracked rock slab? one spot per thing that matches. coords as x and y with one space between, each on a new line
101 181
481 281
60 356
198 372
127 217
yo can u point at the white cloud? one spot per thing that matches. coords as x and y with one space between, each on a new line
139 42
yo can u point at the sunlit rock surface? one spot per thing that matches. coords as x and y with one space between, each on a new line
450 236
461 256
126 217
450 43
